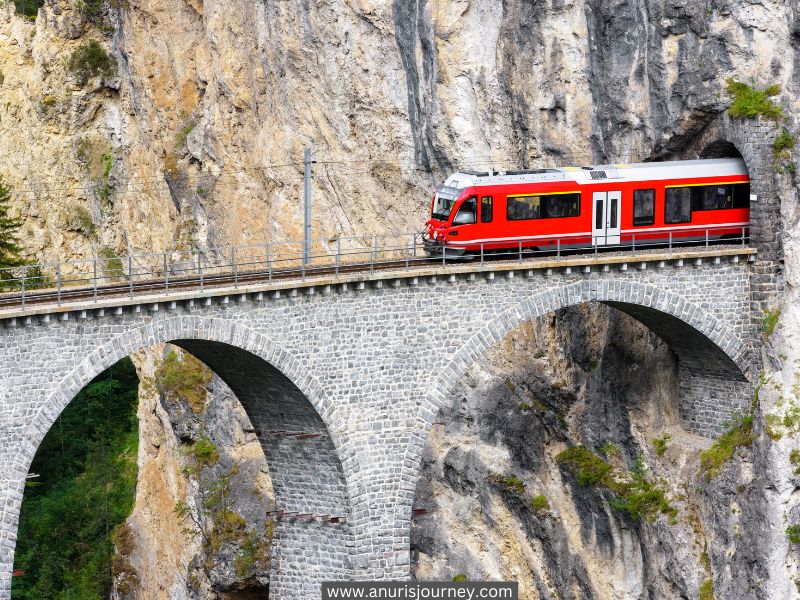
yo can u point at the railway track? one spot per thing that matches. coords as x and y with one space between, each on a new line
96 289
199 282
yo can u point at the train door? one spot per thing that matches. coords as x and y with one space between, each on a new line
606 208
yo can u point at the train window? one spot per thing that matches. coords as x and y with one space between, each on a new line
467 214
712 197
612 212
741 195
721 197
549 206
678 205
644 207
486 209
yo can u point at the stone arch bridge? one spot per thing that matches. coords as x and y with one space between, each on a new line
357 367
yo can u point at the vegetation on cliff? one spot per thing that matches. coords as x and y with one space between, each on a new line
73 511
634 493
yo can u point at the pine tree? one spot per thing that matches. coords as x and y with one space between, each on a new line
9 230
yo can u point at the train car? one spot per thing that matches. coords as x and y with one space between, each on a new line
677 202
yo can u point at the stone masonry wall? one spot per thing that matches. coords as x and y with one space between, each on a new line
373 360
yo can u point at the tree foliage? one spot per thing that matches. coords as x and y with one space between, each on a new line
9 230
84 491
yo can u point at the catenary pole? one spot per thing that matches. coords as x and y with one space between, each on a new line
307 206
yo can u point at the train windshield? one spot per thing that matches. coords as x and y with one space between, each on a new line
442 208
443 204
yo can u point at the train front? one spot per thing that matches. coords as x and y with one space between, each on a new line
434 238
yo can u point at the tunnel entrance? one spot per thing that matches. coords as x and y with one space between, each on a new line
720 149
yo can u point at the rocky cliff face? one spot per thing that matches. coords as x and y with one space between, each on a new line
501 501
185 141
191 135
199 528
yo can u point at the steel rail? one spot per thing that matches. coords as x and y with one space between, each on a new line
197 270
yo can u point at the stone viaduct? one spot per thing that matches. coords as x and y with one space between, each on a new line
362 363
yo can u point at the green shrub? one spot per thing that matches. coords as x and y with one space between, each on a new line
642 498
721 451
635 495
706 591
183 377
110 264
540 504
254 555
28 8
783 145
750 103
459 578
36 279
794 458
512 483
611 449
92 10
91 60
793 534
769 320
660 444
204 452
77 218
588 468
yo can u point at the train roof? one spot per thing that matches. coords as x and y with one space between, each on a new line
678 169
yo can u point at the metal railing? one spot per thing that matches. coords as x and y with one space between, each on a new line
232 266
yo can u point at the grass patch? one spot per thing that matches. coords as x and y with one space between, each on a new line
769 320
512 483
721 451
459 578
706 591
254 555
98 157
183 377
588 468
91 60
539 504
783 145
772 427
634 493
794 459
77 218
793 534
751 103
660 444
643 498
28 8
180 137
611 449
204 453
110 264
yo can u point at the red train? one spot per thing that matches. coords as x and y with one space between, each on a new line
584 207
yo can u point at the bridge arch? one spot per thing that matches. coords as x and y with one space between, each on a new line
691 331
279 394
